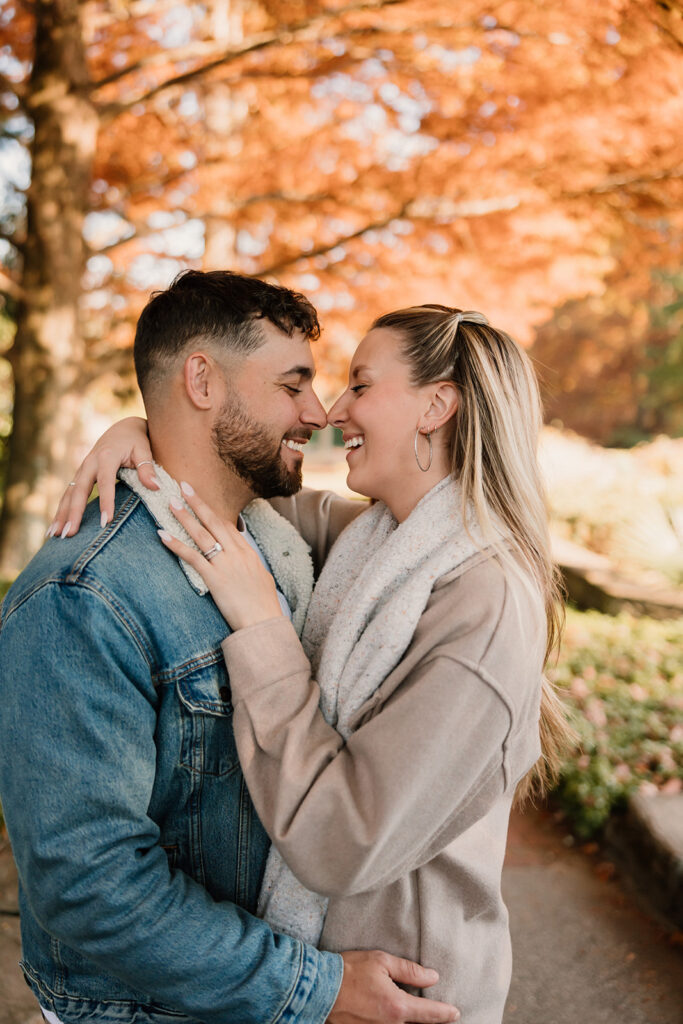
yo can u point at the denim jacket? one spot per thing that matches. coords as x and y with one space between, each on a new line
138 848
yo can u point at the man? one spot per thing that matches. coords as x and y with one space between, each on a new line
138 849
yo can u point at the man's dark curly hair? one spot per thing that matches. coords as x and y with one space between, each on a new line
215 306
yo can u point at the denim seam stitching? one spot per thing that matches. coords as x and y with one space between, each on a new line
119 611
56 955
206 705
196 753
133 1003
105 535
106 598
28 971
243 836
57 577
178 672
290 995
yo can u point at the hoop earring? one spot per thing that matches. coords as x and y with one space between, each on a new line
425 469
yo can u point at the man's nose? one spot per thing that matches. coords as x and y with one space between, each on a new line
313 413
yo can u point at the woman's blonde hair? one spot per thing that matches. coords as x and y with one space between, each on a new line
494 440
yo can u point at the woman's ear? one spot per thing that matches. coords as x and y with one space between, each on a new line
199 377
443 405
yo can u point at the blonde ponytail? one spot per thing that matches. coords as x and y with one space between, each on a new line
494 442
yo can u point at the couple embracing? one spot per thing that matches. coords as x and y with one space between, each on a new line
234 798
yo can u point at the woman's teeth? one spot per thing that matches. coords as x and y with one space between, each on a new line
354 442
296 446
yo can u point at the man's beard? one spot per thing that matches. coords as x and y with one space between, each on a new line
250 451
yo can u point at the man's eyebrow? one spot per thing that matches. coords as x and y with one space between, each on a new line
303 372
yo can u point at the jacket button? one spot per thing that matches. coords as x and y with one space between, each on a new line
224 693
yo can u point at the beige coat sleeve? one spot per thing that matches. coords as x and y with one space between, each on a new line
319 516
351 817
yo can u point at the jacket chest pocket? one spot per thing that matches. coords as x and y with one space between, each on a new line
207 740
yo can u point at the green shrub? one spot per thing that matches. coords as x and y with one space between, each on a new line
624 682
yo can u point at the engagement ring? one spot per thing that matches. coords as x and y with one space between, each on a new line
212 552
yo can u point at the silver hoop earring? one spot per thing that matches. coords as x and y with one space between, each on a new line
425 469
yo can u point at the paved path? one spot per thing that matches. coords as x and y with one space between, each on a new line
583 951
17 1005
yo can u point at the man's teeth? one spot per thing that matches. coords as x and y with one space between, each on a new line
296 446
354 442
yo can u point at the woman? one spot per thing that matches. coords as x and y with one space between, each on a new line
384 768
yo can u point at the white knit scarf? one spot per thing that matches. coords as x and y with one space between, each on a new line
365 608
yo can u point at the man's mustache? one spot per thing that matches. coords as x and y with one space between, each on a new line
300 435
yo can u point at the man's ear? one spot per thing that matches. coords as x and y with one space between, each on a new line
444 401
202 379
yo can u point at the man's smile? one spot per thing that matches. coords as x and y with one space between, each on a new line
295 446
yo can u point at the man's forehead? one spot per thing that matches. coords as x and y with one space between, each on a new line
283 353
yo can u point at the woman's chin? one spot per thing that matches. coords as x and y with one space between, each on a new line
355 483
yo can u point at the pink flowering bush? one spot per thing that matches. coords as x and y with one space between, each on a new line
623 680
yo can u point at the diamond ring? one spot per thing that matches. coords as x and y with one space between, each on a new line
212 552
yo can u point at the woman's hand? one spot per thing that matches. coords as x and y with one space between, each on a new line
241 586
124 444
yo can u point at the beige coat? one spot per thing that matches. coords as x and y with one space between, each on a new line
403 827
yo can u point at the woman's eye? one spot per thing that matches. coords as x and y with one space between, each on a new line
358 387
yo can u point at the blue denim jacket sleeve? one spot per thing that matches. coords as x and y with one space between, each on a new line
76 771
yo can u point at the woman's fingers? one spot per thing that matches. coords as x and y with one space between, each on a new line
227 535
190 555
215 528
224 532
141 458
124 444
243 589
200 535
108 463
74 499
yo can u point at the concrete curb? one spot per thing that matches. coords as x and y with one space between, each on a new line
647 844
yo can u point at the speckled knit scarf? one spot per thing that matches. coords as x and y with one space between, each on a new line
365 608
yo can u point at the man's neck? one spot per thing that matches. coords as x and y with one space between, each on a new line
200 467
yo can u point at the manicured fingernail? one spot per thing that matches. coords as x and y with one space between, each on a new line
66 529
165 535
104 519
50 532
176 503
154 483
187 489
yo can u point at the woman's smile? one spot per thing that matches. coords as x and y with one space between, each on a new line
353 443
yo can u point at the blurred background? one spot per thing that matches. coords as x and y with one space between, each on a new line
519 158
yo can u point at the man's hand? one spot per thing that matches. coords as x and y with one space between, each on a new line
369 993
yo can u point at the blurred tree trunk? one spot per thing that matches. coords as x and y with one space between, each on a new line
48 352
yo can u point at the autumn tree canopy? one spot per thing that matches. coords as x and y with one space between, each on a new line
517 157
